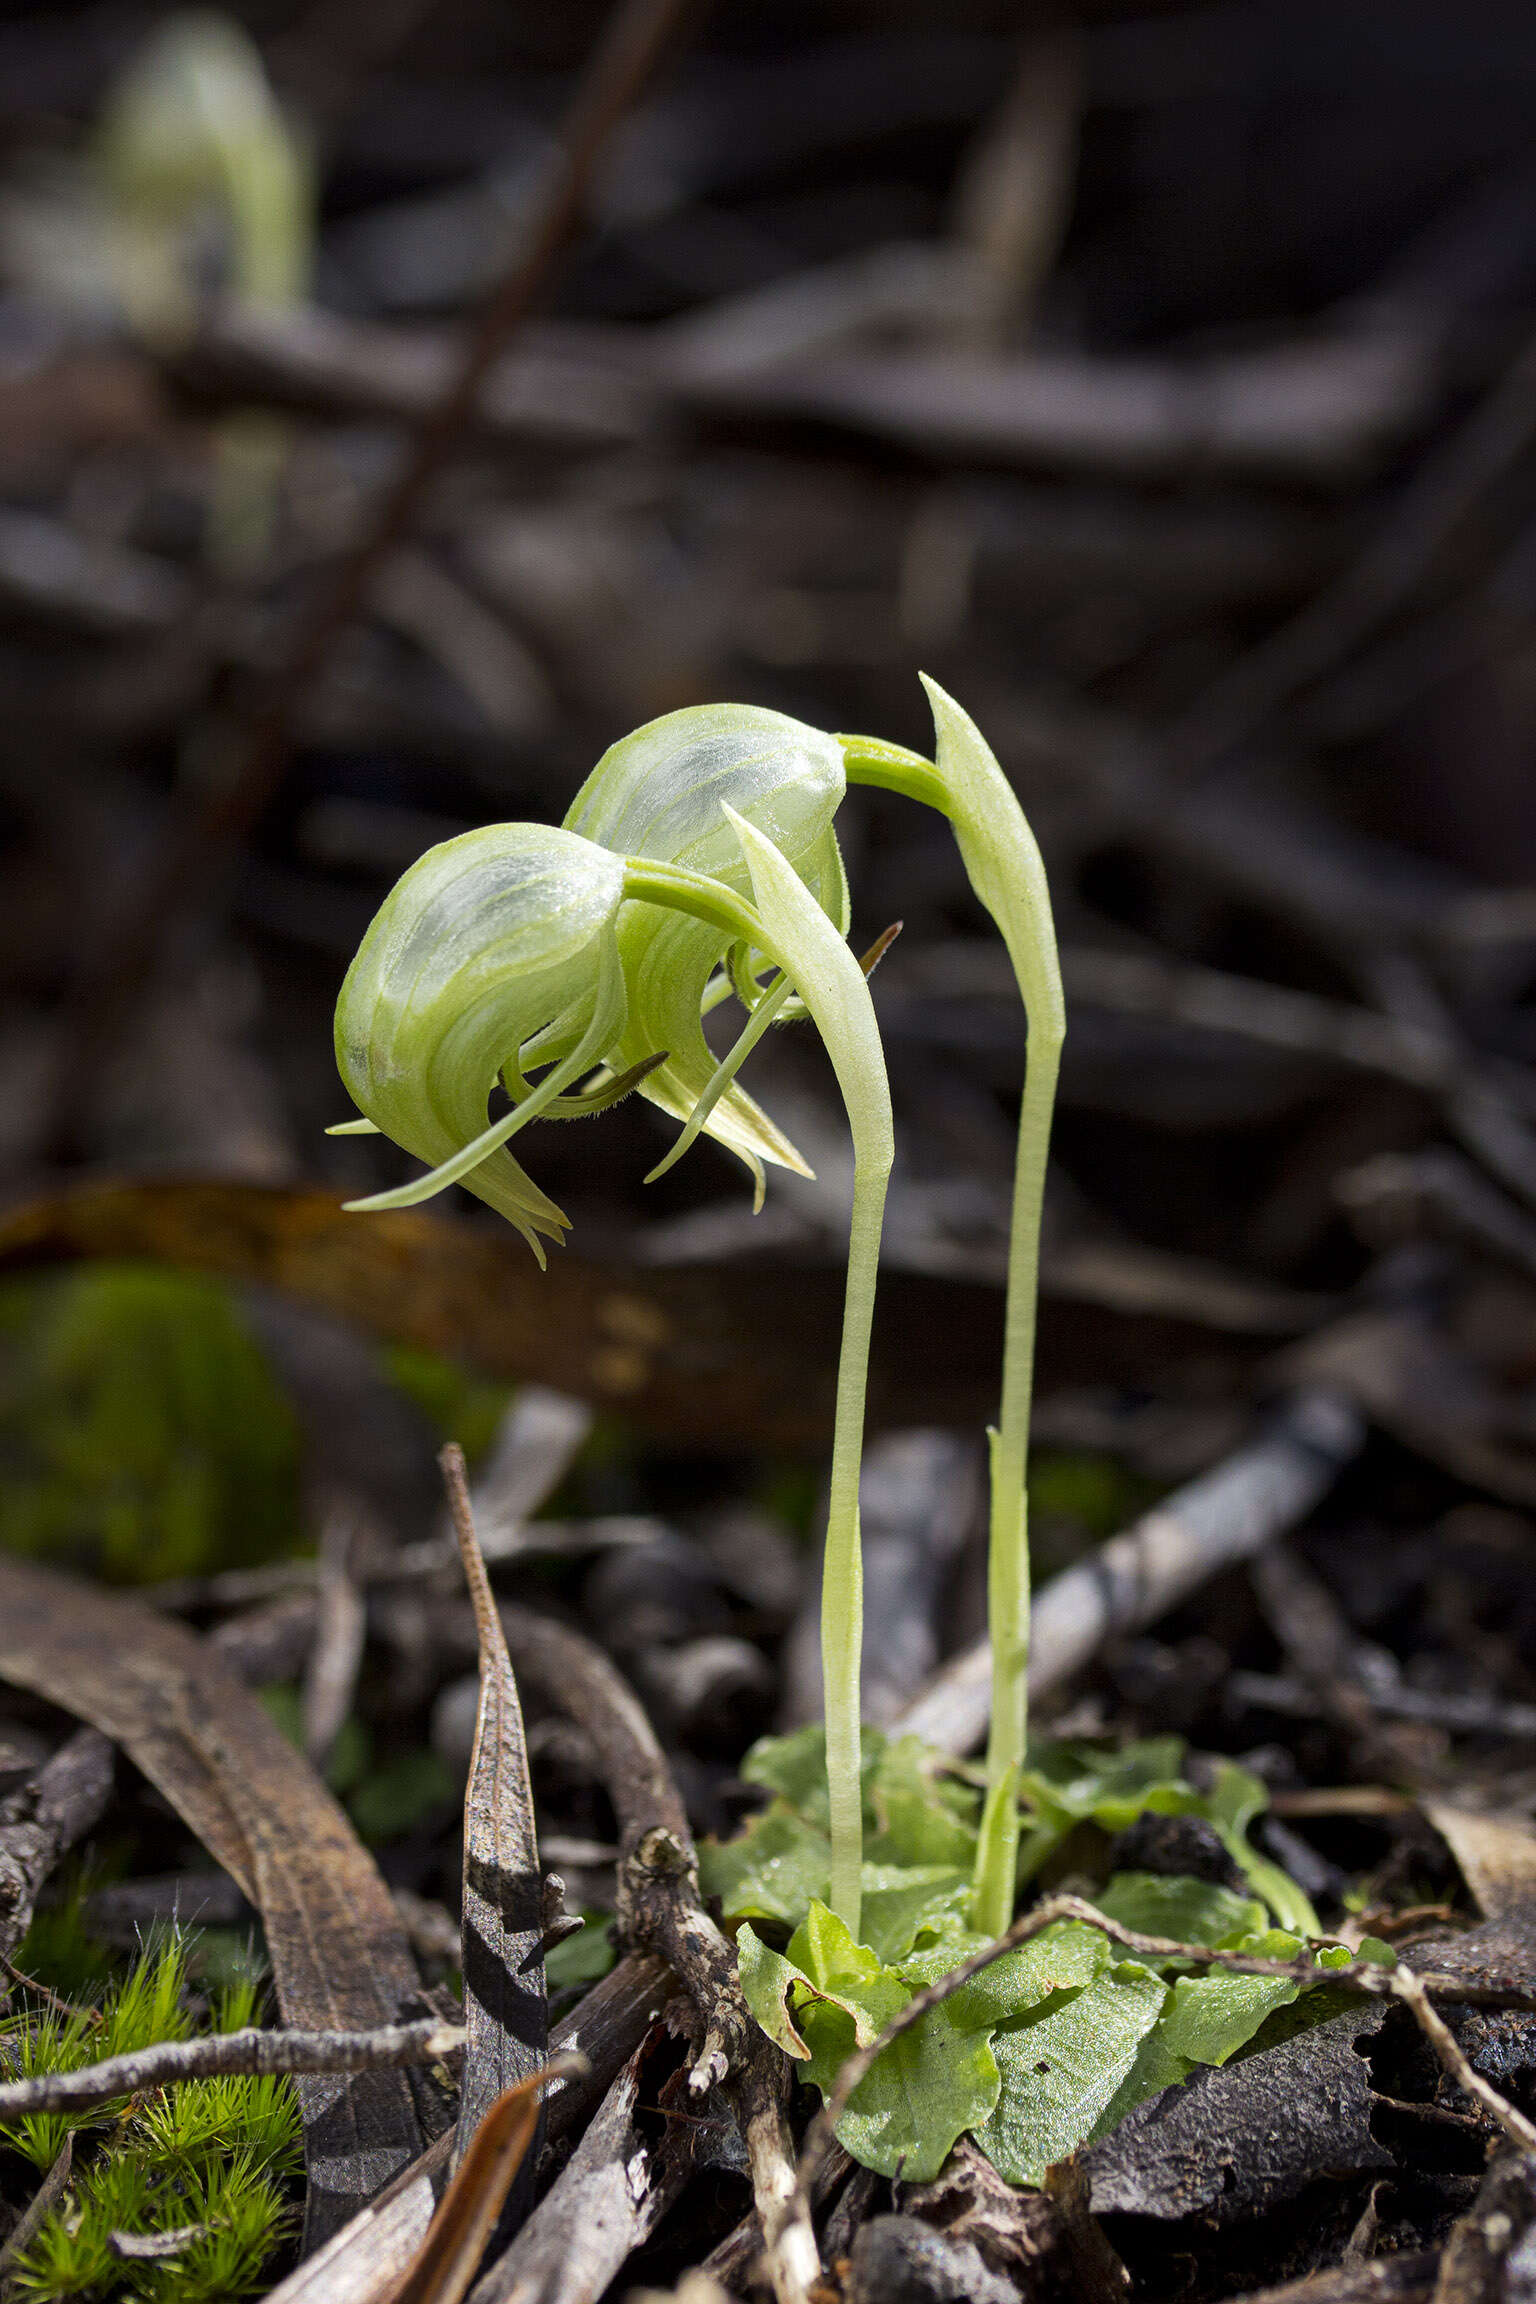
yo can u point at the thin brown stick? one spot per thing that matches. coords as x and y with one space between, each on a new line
250 2050
1411 1990
42 2204
637 36
47 1995
1359 1975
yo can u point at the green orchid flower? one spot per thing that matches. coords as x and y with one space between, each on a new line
494 949
522 945
662 794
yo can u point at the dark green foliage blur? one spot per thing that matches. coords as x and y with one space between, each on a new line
142 1433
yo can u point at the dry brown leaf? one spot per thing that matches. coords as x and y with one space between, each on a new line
466 2214
1497 1856
502 1928
339 1955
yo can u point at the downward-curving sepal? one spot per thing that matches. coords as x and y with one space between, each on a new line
504 937
661 794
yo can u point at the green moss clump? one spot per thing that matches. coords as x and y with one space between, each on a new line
213 2158
142 1433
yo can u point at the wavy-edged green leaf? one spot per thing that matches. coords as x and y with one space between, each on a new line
1191 1911
923 2091
1062 2070
1064 1958
1236 1796
773 1870
485 942
922 2094
919 1812
900 1901
1210 2017
661 793
768 1983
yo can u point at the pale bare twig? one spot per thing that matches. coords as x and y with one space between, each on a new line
250 2050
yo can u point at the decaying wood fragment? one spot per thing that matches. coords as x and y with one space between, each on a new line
339 1955
1045 2242
1405 2279
502 1924
660 1910
1487 2256
44 1819
612 2193
378 2246
903 2256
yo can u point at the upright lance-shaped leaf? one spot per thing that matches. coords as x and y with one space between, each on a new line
832 985
661 795
1003 862
489 942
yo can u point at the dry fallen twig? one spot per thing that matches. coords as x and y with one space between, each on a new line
253 2049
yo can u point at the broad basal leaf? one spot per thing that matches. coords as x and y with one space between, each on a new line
1064 1959
899 1900
773 1870
1192 1911
1061 2070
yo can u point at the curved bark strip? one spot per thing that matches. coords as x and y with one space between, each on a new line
339 1954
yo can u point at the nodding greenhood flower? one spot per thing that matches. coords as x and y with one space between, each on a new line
495 950
521 945
663 794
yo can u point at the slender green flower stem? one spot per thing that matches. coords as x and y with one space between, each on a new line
1004 865
1008 1579
790 929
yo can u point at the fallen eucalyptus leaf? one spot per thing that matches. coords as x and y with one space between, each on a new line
339 1955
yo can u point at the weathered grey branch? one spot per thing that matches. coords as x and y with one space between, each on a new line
380 2241
47 1816
250 2050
